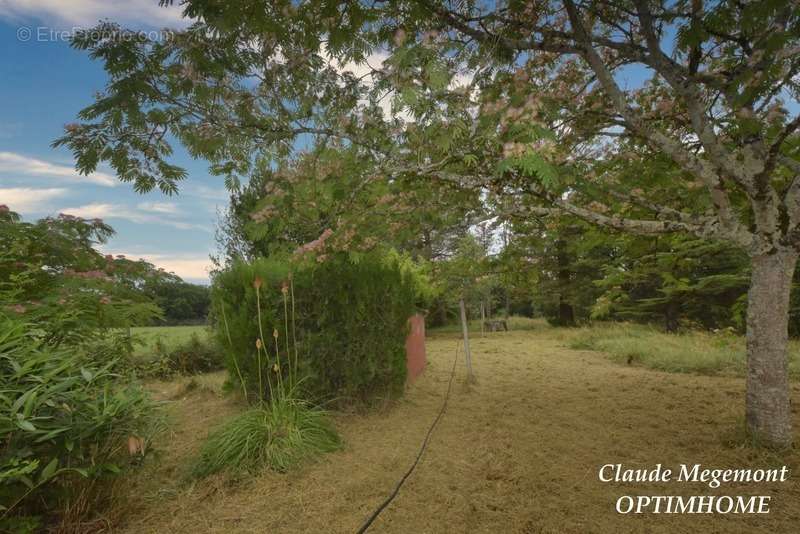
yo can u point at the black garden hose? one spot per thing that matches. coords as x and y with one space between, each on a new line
396 490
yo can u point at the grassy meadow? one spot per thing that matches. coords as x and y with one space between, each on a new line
169 336
516 452
720 352
690 351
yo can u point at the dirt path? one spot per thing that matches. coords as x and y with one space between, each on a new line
518 452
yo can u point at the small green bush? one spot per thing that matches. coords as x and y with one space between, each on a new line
277 434
348 316
66 422
194 356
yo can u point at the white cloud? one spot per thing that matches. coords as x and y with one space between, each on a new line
208 193
11 162
374 67
192 267
166 208
29 200
99 210
89 12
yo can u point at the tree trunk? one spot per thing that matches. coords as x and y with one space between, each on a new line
768 410
671 317
566 315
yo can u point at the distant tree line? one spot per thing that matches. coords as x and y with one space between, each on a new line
51 270
182 303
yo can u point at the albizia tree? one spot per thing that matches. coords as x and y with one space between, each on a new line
546 106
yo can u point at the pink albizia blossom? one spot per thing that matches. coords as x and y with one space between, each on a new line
89 275
315 245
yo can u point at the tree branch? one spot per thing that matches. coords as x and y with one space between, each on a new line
674 149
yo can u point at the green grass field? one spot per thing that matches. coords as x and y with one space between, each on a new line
170 336
514 323
689 352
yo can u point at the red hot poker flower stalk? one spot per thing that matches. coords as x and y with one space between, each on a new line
257 285
285 291
277 358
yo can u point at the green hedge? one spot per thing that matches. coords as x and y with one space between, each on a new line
350 322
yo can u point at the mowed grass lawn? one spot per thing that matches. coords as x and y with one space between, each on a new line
170 336
518 452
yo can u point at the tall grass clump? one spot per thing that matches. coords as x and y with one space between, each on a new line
281 428
721 352
278 434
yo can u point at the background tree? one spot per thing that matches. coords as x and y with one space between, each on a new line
330 188
569 256
676 279
51 275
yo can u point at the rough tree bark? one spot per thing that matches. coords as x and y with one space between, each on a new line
768 402
566 313
671 314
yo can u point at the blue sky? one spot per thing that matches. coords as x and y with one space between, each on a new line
43 84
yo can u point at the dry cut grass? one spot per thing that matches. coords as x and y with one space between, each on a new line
519 452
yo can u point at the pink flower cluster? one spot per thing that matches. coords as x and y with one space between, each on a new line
97 275
315 245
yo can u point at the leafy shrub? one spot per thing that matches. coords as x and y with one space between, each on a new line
67 422
196 355
277 434
348 315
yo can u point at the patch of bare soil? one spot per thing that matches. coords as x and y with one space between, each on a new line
517 452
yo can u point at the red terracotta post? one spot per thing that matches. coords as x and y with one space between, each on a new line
415 347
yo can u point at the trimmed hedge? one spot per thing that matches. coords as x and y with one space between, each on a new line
350 322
